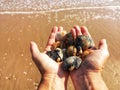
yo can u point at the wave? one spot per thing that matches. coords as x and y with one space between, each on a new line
61 9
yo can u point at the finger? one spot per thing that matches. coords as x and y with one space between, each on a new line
103 45
48 48
60 29
35 54
78 30
73 33
51 39
39 59
84 31
34 50
104 50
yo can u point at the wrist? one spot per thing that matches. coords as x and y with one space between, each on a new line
95 81
81 80
53 82
90 80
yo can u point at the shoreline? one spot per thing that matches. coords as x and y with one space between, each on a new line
59 10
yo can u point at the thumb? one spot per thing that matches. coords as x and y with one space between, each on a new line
36 56
103 45
104 50
41 60
34 50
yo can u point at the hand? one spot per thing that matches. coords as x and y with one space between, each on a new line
93 63
52 74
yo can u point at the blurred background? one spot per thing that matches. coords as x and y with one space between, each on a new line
22 21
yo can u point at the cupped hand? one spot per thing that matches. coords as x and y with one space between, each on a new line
48 67
94 62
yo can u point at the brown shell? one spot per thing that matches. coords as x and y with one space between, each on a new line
60 35
86 52
55 45
85 42
56 54
71 51
68 40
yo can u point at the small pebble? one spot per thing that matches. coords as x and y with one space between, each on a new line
36 84
7 78
6 54
22 55
29 79
25 73
30 63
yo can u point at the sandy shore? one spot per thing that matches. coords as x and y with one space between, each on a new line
17 70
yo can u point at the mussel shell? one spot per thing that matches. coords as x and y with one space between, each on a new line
86 52
71 51
55 54
55 45
68 40
60 35
83 41
71 63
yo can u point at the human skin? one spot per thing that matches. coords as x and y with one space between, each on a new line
88 76
53 76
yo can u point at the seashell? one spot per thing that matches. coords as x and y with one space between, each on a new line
85 42
56 54
79 51
60 35
71 63
71 51
68 40
55 45
86 52
64 53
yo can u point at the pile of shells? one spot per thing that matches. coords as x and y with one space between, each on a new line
70 51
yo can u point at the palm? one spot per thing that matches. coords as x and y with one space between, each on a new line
95 60
50 66
44 63
92 62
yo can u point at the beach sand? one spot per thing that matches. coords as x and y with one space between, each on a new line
18 71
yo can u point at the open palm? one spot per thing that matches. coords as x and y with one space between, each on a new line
95 60
45 64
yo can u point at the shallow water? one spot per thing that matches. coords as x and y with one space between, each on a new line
43 5
18 26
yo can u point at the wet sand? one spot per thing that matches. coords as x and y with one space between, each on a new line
17 70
